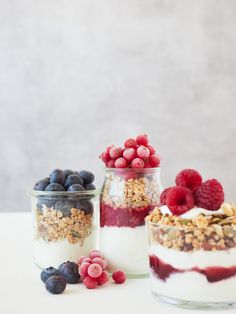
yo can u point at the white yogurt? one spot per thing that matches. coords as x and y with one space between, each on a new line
192 213
56 252
125 248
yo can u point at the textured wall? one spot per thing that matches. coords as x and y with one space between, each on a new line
78 75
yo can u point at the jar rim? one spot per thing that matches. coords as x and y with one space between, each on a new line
139 170
36 193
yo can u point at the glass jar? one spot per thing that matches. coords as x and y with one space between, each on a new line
127 197
193 267
65 225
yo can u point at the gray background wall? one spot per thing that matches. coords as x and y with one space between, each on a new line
78 75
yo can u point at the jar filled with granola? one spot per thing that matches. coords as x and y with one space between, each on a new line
65 225
127 197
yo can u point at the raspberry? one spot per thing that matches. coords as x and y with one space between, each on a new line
189 178
129 154
95 253
143 152
104 278
111 163
116 152
179 200
119 276
163 196
83 269
137 163
99 261
142 139
121 163
210 195
90 283
151 149
130 143
154 160
94 270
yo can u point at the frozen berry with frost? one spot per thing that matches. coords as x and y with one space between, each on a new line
121 163
111 163
210 195
95 253
116 152
154 160
130 143
81 259
90 283
129 154
83 269
99 261
137 163
104 278
87 259
94 270
189 178
179 200
143 152
142 139
119 276
151 149
163 196
105 157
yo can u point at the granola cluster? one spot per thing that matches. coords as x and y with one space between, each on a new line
131 193
213 232
52 226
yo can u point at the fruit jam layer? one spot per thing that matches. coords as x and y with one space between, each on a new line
213 273
123 217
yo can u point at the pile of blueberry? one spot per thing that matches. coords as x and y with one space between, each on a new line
66 180
90 270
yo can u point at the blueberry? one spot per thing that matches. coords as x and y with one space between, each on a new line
57 176
64 206
55 187
85 205
41 185
68 172
87 176
73 179
69 270
90 186
55 284
45 201
75 187
48 272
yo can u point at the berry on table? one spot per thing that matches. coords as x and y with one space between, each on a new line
87 176
41 185
119 277
179 200
57 176
75 187
95 253
120 163
210 195
94 270
83 269
130 143
48 272
137 163
142 139
143 152
99 261
69 270
189 178
90 283
55 187
116 152
87 259
154 160
55 284
104 278
129 154
81 259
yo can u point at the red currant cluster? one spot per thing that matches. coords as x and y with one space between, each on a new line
137 153
92 270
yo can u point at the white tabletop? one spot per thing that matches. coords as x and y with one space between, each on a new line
21 290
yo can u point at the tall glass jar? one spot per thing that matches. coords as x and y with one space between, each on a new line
65 225
127 197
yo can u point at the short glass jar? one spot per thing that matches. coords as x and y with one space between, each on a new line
193 267
65 225
127 197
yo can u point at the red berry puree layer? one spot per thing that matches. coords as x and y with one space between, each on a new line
213 273
123 217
